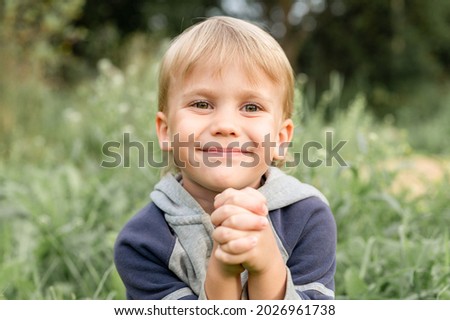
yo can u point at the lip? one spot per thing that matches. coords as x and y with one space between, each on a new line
224 150
220 151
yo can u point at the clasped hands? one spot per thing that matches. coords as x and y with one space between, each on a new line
243 237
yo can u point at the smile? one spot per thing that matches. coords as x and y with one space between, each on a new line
220 151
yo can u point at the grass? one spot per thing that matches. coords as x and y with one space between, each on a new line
60 211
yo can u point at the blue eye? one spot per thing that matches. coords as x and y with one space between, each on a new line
251 108
201 105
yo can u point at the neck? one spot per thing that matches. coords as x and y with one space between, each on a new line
204 197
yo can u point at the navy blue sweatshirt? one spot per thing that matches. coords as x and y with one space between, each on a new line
163 251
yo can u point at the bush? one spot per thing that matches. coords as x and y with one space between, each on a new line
60 211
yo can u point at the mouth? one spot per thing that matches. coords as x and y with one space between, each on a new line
224 151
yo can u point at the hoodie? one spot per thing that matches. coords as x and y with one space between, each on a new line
163 251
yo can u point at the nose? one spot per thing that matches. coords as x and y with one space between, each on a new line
225 123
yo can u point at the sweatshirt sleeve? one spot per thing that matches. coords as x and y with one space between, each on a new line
307 231
142 252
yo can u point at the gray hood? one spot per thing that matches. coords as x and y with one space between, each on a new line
279 189
193 226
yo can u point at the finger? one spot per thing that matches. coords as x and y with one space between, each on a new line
223 235
246 222
234 196
226 211
239 246
232 259
248 198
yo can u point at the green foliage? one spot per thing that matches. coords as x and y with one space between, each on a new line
391 244
426 115
111 23
386 43
38 35
60 211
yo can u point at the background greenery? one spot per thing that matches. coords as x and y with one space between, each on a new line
76 74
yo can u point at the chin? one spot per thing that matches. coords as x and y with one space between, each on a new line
235 179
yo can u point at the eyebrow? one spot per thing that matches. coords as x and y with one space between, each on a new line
244 94
200 92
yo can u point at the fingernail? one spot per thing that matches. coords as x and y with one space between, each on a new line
253 241
264 222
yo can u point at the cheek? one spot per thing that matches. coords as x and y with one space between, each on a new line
262 132
182 126
186 119
185 133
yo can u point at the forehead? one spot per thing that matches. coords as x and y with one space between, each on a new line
238 78
251 74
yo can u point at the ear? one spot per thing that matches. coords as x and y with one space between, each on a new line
284 138
162 130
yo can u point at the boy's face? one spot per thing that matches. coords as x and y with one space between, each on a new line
224 129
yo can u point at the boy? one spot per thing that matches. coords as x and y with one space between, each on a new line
228 225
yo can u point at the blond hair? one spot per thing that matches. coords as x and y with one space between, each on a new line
219 41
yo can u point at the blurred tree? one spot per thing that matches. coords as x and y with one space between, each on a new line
111 21
38 35
382 46
167 16
389 43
